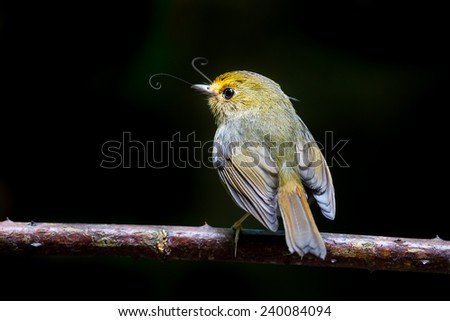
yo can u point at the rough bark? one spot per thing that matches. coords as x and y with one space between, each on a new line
208 243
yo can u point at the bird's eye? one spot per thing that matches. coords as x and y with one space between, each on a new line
228 93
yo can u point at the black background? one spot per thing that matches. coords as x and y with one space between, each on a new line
76 76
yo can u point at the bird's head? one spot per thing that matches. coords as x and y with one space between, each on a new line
237 92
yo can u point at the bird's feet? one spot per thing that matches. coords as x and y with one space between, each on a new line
237 226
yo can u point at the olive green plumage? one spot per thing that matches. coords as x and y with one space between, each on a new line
266 156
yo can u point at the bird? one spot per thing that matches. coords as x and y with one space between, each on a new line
267 158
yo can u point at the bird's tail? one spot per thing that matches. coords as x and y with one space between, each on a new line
302 235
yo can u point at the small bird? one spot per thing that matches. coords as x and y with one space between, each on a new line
267 158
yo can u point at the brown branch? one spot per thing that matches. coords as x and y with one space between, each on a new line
208 243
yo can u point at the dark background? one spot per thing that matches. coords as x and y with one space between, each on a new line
76 75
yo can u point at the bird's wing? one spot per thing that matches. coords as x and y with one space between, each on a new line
251 177
315 174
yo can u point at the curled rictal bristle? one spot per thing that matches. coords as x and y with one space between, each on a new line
203 62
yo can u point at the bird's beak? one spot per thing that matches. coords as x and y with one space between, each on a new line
205 89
